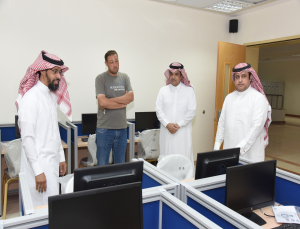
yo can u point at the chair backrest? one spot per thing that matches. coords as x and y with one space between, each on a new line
150 143
12 155
177 165
92 151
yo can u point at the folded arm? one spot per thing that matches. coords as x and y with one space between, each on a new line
106 103
124 99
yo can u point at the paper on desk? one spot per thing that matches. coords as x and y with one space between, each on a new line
286 214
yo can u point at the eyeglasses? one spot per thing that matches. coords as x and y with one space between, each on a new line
55 71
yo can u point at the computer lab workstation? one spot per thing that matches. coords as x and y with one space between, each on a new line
142 132
227 191
110 197
210 201
244 195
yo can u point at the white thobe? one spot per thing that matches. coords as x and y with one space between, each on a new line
241 124
42 150
176 105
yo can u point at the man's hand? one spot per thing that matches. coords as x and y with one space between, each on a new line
41 183
62 168
177 126
172 128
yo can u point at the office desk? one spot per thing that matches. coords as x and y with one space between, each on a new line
271 222
82 150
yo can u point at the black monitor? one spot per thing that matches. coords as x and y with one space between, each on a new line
105 208
108 175
250 187
17 131
146 121
215 162
89 123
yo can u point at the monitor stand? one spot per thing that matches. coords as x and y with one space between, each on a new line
254 218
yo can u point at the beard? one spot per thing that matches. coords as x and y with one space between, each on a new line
113 71
51 85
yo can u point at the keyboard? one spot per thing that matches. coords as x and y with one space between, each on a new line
288 226
84 139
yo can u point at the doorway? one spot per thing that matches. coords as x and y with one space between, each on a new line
277 63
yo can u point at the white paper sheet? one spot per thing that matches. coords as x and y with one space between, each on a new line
286 214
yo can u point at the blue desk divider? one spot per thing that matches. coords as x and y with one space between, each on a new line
217 194
286 192
151 215
287 188
65 135
153 177
214 210
171 219
8 133
148 182
161 210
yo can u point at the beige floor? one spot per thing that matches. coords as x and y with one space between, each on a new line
284 145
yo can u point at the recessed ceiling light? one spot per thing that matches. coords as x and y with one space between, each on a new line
228 6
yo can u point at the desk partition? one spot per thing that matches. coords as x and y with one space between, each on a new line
131 137
74 140
161 210
65 135
207 196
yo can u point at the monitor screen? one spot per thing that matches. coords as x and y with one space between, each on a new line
108 175
146 121
89 123
17 131
250 187
111 207
216 162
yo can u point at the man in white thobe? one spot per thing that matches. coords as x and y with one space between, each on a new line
42 156
245 116
175 109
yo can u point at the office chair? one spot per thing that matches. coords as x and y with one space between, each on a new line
149 144
91 160
177 165
12 155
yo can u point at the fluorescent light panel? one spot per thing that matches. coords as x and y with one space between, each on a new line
228 6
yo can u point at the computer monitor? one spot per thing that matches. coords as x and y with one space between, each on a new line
105 208
108 175
89 123
215 162
250 187
17 131
146 121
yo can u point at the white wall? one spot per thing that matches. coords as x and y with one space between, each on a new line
147 35
288 72
278 19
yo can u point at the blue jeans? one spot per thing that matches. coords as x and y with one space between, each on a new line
107 139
